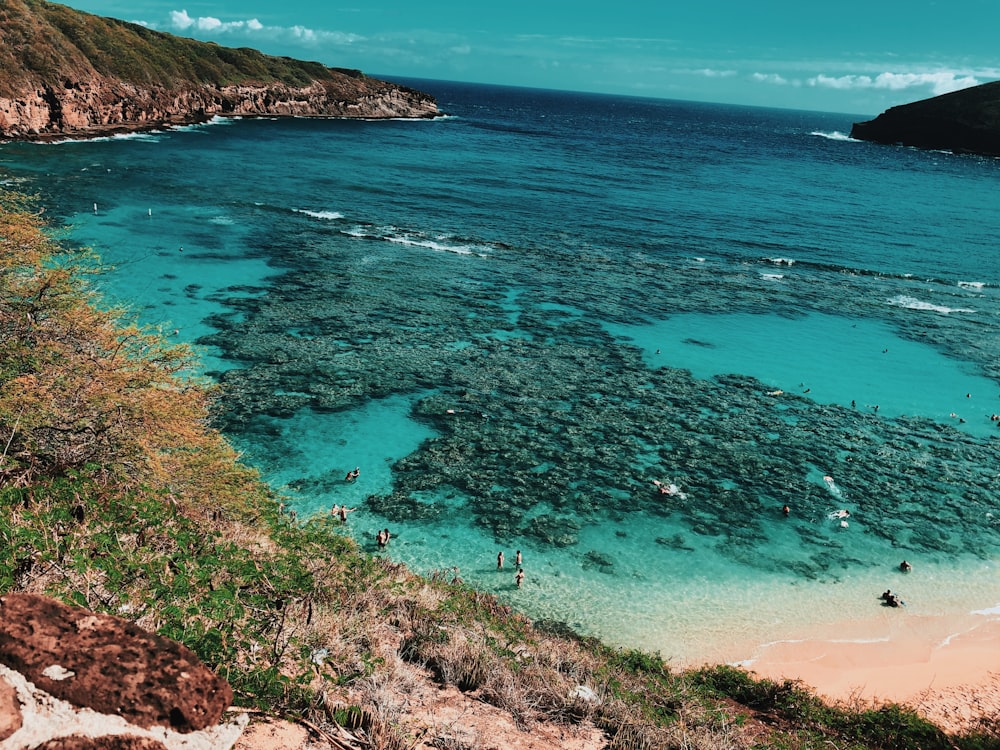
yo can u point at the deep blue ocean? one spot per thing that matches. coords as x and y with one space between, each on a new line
515 318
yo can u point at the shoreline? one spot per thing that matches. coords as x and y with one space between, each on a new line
946 667
98 132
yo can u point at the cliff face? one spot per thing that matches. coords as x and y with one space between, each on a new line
64 73
966 121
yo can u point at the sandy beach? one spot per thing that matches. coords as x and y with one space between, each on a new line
947 667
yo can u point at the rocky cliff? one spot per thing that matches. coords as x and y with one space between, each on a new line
966 121
64 73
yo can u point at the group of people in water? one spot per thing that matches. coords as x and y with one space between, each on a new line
341 511
383 536
519 576
889 599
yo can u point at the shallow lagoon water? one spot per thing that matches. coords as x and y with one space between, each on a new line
469 310
832 359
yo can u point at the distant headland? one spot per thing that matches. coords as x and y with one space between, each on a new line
966 121
69 74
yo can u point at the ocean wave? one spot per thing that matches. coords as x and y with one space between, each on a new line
198 126
912 303
772 276
326 215
152 135
977 285
824 266
145 135
438 243
836 135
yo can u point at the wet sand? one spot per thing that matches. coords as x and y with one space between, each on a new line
947 667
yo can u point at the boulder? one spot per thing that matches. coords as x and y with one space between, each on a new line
71 678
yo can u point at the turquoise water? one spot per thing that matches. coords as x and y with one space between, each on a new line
832 359
514 319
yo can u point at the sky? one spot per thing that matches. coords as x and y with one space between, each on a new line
849 56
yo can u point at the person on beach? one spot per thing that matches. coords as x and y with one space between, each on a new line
386 535
352 475
335 511
519 578
380 539
344 510
517 559
500 560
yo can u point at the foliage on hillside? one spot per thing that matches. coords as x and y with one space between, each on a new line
41 40
116 494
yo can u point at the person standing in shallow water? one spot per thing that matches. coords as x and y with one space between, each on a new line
500 560
517 559
519 578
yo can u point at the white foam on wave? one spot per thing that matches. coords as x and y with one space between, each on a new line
440 243
199 126
972 284
772 276
836 135
326 215
781 261
436 244
145 135
912 303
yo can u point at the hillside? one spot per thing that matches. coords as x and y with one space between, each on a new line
966 121
68 73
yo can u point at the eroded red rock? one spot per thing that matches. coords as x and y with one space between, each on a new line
109 665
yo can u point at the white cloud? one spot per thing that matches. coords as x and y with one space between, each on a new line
207 23
180 20
940 82
713 73
771 78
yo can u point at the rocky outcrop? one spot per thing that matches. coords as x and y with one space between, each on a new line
64 73
966 121
100 106
70 678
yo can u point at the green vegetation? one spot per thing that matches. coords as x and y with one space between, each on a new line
116 494
42 38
